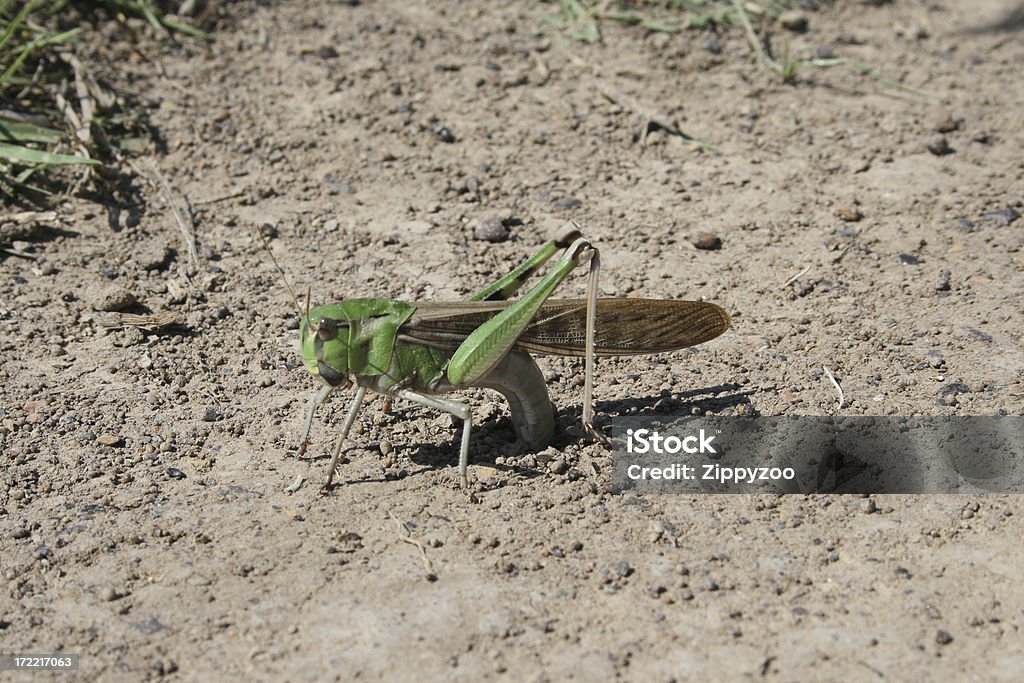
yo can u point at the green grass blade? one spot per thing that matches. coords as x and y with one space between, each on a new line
34 156
182 27
649 23
20 132
160 23
579 18
151 17
43 41
14 24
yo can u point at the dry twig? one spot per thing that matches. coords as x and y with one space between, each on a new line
796 277
407 538
836 385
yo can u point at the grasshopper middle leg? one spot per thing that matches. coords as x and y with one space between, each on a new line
459 410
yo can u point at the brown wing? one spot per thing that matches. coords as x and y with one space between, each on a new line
624 326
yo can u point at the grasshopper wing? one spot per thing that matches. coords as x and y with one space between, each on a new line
624 326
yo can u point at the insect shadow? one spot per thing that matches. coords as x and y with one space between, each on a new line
432 455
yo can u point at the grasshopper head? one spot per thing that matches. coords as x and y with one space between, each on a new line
355 338
325 338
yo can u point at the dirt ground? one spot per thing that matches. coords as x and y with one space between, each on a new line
868 224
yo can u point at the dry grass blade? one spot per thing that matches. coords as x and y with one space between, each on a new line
26 225
150 322
649 116
187 235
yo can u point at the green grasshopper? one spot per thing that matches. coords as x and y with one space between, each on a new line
418 351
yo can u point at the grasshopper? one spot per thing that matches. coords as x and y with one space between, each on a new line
422 350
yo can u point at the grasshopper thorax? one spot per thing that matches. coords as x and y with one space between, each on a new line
353 338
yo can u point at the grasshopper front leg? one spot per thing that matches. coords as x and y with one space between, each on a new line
456 408
350 418
317 401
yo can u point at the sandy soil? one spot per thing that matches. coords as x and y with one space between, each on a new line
146 520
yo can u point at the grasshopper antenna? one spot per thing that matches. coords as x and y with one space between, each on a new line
295 299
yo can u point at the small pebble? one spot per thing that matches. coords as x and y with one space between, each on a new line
622 569
712 44
978 335
386 448
175 473
1003 216
943 637
35 405
953 389
445 136
491 230
567 203
939 146
20 533
152 256
793 20
942 121
558 466
110 440
908 260
706 241
848 213
869 506
942 281
112 298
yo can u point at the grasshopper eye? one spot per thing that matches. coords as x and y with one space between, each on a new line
327 329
